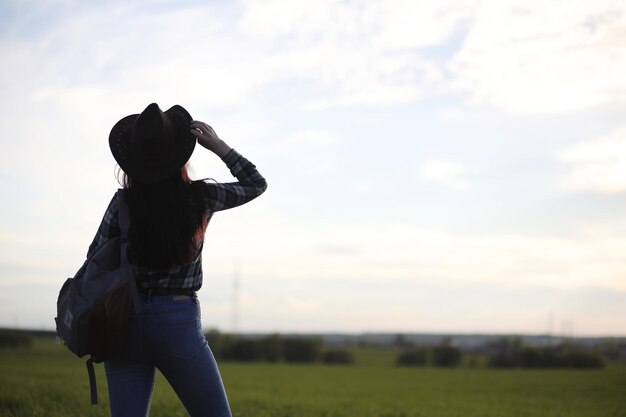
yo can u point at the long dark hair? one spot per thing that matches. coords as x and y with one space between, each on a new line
166 220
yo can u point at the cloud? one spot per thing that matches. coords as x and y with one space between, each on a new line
598 164
395 251
396 25
315 150
445 172
316 138
521 57
541 57
361 53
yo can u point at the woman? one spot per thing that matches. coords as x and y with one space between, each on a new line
168 217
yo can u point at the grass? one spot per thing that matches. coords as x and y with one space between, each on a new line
49 381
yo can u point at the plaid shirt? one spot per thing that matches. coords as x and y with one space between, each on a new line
216 197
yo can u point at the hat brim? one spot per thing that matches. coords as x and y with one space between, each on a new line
159 169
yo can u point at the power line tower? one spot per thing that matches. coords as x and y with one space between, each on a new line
551 328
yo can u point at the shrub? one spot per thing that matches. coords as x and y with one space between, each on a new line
413 357
505 353
14 339
338 357
533 357
579 359
221 344
613 350
447 356
272 350
300 349
246 350
213 338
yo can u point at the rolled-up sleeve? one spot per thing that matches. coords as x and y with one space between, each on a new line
250 184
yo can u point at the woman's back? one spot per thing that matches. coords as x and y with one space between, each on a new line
169 215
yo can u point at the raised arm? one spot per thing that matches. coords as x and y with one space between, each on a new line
222 196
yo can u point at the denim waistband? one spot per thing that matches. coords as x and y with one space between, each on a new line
166 291
151 298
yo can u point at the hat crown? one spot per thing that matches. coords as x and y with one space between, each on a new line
153 133
149 124
154 144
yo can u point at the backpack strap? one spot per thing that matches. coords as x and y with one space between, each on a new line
124 223
92 381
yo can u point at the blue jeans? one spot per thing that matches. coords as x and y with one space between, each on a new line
167 335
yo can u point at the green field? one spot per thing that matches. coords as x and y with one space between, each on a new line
48 381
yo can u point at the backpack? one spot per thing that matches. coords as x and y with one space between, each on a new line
93 308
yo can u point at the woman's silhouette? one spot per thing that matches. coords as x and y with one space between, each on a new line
169 215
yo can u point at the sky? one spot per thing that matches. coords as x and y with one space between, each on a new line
434 166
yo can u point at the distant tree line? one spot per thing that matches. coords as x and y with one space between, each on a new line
613 350
444 355
510 353
506 352
15 339
503 353
275 348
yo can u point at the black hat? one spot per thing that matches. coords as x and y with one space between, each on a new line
153 145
